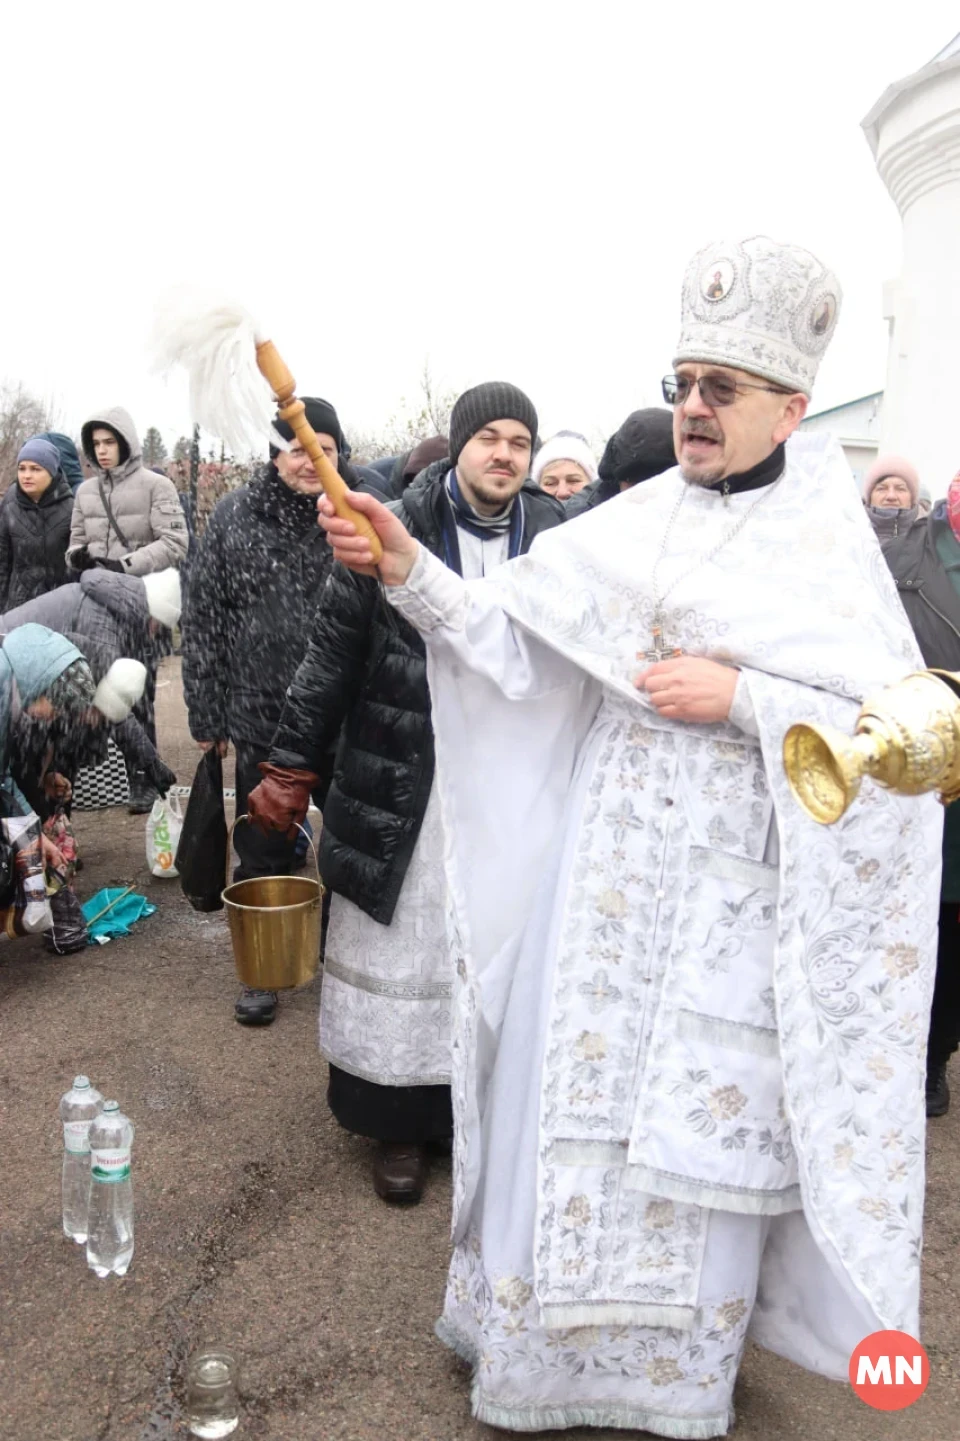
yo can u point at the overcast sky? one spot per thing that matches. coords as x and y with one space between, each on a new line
511 190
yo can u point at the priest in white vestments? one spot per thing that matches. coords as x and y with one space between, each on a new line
689 1022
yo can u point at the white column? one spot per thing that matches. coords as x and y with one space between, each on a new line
914 132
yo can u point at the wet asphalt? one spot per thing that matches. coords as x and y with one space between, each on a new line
256 1223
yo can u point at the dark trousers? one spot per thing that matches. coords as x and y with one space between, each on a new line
145 711
945 1015
411 1115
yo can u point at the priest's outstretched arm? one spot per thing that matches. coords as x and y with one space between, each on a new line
454 616
467 621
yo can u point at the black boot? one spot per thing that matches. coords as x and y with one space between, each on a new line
255 1008
399 1173
938 1091
142 794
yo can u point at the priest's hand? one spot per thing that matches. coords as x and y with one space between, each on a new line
690 688
400 550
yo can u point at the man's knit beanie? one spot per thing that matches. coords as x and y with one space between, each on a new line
640 449
495 400
322 417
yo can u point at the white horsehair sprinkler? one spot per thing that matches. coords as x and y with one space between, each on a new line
236 375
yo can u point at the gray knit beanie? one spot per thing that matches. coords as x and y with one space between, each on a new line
494 400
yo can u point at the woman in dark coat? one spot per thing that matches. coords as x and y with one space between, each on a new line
923 553
34 526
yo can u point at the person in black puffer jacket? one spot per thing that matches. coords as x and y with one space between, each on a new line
639 450
923 555
254 586
34 525
384 1024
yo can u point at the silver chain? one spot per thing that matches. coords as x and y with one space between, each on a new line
658 596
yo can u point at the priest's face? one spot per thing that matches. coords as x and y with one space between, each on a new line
714 441
493 465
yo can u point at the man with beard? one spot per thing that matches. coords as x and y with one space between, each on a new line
689 1024
385 1007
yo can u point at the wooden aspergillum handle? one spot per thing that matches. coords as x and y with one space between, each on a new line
274 370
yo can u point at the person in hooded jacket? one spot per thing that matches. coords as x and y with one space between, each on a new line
44 682
255 582
639 450
69 457
923 554
128 519
112 620
43 676
34 525
385 1022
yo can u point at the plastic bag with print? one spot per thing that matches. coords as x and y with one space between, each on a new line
28 911
164 824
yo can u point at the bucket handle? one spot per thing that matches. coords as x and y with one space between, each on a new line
309 839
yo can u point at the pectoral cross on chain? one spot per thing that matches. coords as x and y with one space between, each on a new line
660 650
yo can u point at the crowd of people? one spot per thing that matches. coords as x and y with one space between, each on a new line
89 578
578 930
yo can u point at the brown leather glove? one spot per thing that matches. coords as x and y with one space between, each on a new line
281 800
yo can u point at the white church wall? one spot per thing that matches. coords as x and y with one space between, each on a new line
914 130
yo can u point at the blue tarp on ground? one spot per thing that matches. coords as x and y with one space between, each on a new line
119 918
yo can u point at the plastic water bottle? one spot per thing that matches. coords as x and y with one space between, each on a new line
110 1230
78 1108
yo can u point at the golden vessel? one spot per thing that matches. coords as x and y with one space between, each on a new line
275 925
907 738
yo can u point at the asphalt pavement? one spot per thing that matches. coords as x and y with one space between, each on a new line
256 1223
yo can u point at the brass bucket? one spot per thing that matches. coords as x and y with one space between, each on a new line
275 926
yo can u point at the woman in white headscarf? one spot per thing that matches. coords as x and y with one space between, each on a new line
564 465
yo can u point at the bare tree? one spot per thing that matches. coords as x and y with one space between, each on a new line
437 403
427 414
21 415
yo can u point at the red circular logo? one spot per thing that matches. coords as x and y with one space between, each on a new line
889 1370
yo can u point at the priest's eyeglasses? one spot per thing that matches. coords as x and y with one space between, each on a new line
715 390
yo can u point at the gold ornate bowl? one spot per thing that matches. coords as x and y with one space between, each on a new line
907 738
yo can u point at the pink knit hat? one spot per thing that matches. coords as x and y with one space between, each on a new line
891 465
